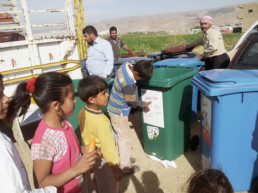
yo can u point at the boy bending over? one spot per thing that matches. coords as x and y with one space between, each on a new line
123 97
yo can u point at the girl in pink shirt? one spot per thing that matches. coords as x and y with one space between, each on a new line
55 150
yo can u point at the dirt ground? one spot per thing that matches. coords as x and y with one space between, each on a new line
152 177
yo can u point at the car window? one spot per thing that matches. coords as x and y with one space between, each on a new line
251 55
249 58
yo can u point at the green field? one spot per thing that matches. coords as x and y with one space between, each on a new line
150 43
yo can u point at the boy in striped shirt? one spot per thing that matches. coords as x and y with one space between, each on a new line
123 97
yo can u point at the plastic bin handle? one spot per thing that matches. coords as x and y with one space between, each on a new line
217 82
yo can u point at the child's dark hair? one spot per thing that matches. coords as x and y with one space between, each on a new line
1 77
49 87
209 181
144 68
91 86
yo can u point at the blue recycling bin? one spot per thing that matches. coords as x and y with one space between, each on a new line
229 123
184 62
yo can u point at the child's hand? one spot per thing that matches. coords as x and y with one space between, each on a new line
147 108
118 173
99 154
98 150
85 163
83 149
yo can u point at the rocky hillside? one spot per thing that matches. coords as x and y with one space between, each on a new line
171 22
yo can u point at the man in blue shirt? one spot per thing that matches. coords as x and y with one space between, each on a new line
100 54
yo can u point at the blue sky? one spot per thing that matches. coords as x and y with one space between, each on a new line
97 10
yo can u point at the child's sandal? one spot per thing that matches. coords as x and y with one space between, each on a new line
132 171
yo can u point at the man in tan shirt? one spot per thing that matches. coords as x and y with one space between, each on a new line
215 54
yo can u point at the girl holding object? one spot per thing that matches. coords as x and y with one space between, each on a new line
55 150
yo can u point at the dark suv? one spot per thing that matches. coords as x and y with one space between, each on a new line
247 55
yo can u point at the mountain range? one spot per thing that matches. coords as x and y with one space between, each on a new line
177 22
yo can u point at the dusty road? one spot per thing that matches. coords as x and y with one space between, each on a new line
152 177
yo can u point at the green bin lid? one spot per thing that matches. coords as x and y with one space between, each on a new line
168 77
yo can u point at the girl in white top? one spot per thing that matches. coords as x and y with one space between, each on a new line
13 176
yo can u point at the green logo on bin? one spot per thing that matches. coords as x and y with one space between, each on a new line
153 132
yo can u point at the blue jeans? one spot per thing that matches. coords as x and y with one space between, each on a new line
84 70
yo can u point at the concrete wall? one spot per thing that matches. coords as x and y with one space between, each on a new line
249 14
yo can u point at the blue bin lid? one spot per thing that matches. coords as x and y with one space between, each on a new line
189 62
131 60
226 81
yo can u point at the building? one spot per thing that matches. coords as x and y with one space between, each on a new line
196 31
249 14
226 29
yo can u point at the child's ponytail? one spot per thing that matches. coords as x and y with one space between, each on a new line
48 87
21 100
